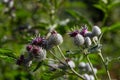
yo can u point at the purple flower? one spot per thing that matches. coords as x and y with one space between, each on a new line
37 41
35 50
20 61
78 39
29 47
83 31
38 53
73 34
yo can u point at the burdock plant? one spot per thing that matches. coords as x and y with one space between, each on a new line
87 42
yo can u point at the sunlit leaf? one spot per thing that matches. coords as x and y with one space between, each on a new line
113 27
7 53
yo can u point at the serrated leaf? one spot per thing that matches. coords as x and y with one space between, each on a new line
7 59
7 53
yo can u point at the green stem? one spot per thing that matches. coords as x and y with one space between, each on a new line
51 60
100 54
61 53
104 19
90 65
57 57
77 73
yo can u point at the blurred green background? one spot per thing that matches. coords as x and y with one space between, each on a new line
23 19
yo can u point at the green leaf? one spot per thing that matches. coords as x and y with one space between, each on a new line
100 7
7 59
113 4
6 53
21 13
59 74
49 75
79 17
113 27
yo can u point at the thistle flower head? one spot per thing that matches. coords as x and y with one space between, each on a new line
38 53
41 55
78 40
55 38
70 63
96 31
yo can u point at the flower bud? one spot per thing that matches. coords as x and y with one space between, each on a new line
89 34
82 65
20 60
88 68
91 77
73 34
38 53
95 39
96 31
11 3
70 63
95 70
24 61
86 76
88 41
53 67
55 38
29 48
78 40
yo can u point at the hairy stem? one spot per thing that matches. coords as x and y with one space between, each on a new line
61 52
57 57
76 73
90 65
104 19
100 54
